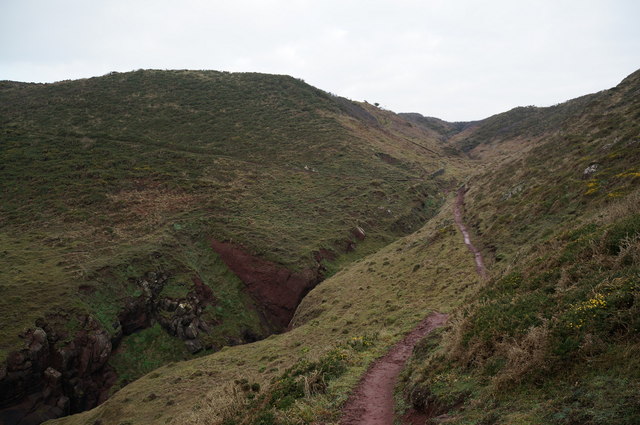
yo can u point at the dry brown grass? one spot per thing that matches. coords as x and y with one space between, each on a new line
624 207
228 402
629 251
148 208
524 357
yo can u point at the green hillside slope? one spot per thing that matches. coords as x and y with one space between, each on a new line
121 193
550 336
553 337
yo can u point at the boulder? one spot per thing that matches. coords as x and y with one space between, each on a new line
193 345
52 377
191 331
359 233
590 170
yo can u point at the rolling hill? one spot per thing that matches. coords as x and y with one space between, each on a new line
152 214
149 216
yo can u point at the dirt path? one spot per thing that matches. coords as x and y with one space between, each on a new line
372 401
458 208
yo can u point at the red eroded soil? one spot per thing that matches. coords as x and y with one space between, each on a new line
272 286
204 293
372 401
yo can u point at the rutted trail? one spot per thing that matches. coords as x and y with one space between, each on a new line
457 213
372 401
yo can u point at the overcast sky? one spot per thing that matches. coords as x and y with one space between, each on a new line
453 59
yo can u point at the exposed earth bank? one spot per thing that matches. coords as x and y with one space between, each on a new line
276 289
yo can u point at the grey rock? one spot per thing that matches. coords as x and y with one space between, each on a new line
359 233
63 403
191 331
38 341
193 345
204 327
590 170
52 376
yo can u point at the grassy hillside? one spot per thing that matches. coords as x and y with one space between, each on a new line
553 337
341 326
130 149
610 112
550 337
113 187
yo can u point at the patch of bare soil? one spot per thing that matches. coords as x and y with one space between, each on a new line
275 288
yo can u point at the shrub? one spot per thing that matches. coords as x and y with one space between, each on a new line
621 231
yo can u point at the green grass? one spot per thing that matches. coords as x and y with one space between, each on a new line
33 274
534 344
111 170
142 352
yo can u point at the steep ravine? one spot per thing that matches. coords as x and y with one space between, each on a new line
61 371
58 372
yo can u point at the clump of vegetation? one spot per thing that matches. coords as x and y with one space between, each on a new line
305 379
532 334
360 343
145 351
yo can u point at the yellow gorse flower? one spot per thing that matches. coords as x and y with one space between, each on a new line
597 301
629 174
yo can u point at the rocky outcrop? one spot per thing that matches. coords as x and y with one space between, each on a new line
359 233
180 317
590 170
183 318
51 377
58 372
276 289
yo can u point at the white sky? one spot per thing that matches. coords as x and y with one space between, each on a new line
453 59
